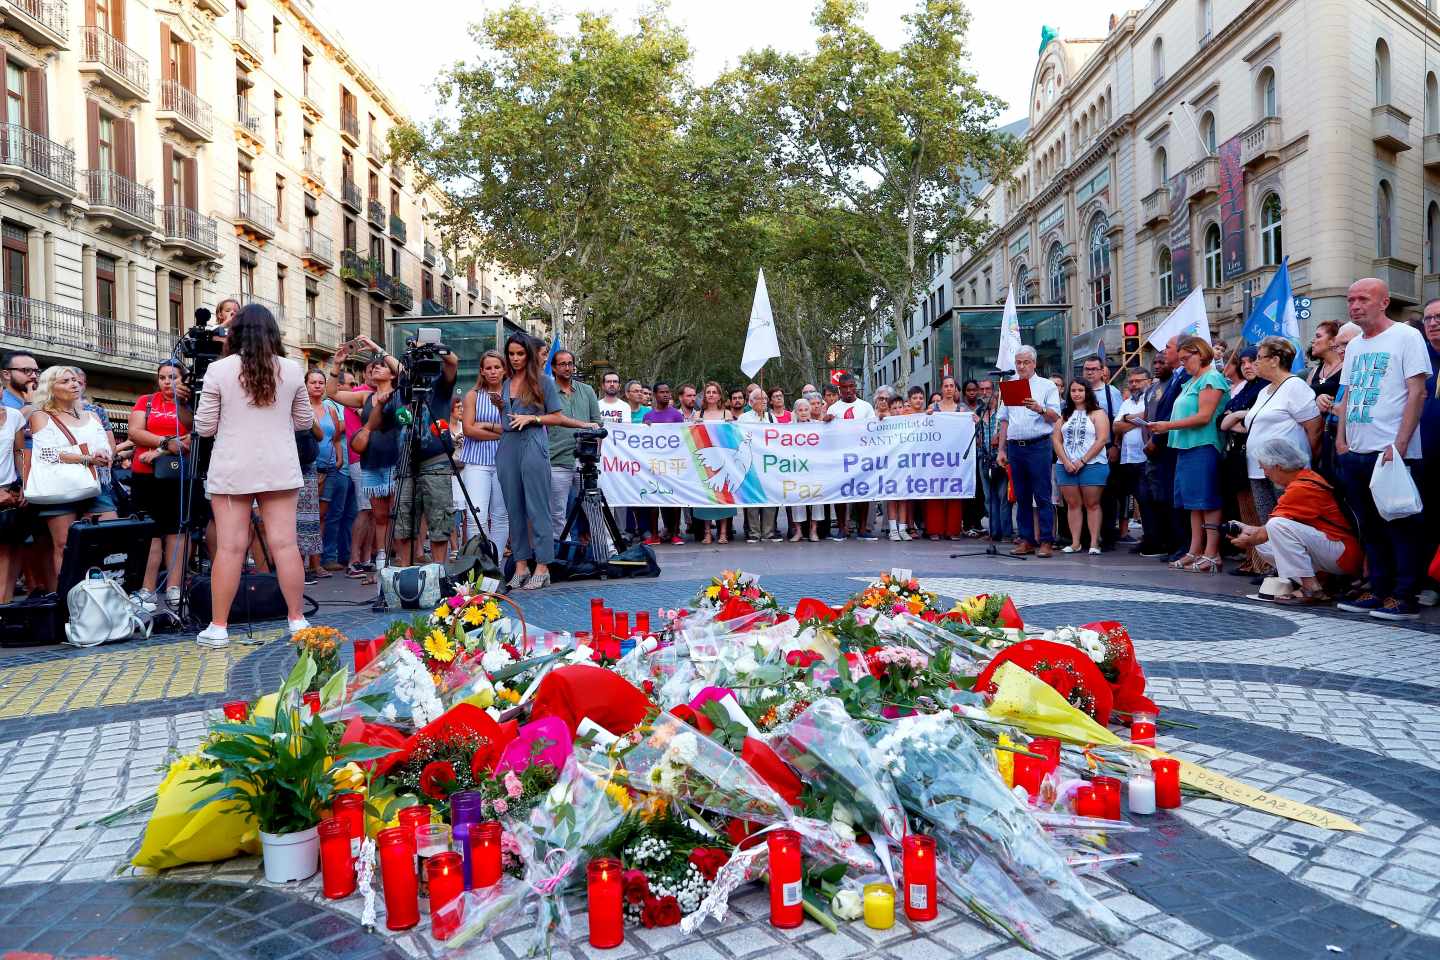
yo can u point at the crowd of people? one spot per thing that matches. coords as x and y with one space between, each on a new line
1210 453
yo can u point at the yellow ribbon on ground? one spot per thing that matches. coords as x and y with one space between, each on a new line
1030 703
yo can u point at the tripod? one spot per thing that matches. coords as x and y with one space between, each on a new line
993 549
606 540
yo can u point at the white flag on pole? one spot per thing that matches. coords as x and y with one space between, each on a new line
761 343
1187 320
1009 334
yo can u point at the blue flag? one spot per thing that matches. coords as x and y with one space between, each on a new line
1273 315
550 357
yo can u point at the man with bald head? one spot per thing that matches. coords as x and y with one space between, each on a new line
1379 412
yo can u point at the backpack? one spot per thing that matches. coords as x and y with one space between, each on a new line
100 612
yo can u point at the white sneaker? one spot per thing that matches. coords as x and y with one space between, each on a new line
1428 598
905 534
297 625
895 536
145 601
213 636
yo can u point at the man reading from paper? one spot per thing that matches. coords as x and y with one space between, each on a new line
1024 443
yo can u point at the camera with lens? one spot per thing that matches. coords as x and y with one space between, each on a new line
421 363
587 445
1231 529
201 346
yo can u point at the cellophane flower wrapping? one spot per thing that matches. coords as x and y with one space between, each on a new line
947 779
582 808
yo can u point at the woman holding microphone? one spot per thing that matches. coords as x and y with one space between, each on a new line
252 402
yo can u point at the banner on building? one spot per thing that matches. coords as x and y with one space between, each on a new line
721 464
1179 236
1232 210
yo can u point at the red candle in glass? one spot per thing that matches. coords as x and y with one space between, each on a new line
606 892
447 881
337 868
397 869
349 808
1108 790
919 864
237 711
786 909
622 626
1142 729
596 606
1087 804
607 623
1167 782
485 851
1029 771
1049 747
642 621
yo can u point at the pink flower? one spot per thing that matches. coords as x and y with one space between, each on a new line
500 807
512 785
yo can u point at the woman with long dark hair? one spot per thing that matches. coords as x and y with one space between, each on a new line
1081 467
252 402
528 402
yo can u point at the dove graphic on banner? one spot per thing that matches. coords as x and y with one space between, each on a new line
761 343
1009 334
1187 320
1274 316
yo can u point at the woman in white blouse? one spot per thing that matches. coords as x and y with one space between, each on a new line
1286 408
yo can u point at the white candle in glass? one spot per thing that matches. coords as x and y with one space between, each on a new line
1142 795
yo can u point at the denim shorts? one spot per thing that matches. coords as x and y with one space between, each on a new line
105 503
1197 478
1090 475
377 483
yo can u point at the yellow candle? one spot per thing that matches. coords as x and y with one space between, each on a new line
879 906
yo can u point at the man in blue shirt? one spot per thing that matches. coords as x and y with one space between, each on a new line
21 372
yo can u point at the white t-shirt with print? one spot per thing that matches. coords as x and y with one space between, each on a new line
10 422
614 411
1374 377
1132 443
1278 412
856 409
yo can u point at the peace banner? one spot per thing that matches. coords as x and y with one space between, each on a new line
723 464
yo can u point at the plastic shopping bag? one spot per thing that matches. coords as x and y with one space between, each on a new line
1393 489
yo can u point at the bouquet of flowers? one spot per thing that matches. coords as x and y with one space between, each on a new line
1067 669
893 594
323 646
670 864
732 593
988 610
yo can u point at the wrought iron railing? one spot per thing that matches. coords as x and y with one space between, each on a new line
106 188
55 328
107 50
177 99
182 223
50 14
251 208
397 227
319 247
29 150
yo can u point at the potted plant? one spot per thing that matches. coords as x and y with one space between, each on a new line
282 771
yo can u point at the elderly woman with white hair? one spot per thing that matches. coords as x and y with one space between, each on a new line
1307 531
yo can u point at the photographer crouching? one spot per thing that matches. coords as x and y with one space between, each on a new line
1307 531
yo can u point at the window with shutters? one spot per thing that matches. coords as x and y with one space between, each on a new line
377 324
247 274
312 298
395 262
349 233
105 143
427 285
280 276
377 250
352 316
176 304
279 125
14 95
15 250
176 176
279 200
105 286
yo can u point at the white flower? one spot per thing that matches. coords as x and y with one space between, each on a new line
847 905
559 794
842 830
1089 636
495 658
388 713
682 751
580 654
746 664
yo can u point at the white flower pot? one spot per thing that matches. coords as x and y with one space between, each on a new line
291 856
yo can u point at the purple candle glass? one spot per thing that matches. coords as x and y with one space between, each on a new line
465 809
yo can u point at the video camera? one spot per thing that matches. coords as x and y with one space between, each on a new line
201 346
587 454
421 363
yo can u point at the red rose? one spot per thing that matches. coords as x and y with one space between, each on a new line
660 912
637 887
511 649
437 779
873 664
649 687
709 860
1060 680
802 658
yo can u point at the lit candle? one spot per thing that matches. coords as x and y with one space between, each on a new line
312 700
919 871
349 808
642 622
1049 747
485 854
606 893
1142 795
1142 728
364 653
1086 803
1167 782
444 877
465 809
237 711
1029 771
431 840
879 906
622 625
337 868
786 910
397 868
1107 789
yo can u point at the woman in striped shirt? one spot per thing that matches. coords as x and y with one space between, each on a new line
482 428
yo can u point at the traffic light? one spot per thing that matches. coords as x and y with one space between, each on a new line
1131 331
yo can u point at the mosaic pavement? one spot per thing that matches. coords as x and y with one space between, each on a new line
1319 707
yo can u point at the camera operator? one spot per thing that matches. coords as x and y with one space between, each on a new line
1307 531
252 401
424 490
378 439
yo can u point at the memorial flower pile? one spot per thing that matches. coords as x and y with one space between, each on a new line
732 593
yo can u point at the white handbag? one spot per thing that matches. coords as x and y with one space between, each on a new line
61 482
100 612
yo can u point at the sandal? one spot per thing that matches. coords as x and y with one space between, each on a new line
707 541
537 581
1305 598
723 539
1206 565
1184 562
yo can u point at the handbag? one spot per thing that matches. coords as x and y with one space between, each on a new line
62 482
101 612
167 467
258 598
413 588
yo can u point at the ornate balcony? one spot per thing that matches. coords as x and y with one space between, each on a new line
375 212
248 40
77 336
44 23
116 66
397 172
472 286
189 232
254 215
1400 277
1260 142
354 269
381 283
126 205
189 115
428 254
402 297
350 195
1202 178
320 335
39 167
311 97
277 309
1155 208
217 7
1390 128
319 251
397 227
312 168
350 127
248 123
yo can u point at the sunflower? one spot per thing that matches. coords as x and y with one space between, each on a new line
442 612
491 610
439 647
712 591
473 616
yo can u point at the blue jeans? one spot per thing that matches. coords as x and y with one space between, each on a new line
997 503
1393 548
339 516
1030 465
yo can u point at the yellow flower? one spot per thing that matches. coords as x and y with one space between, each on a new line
713 591
438 645
442 612
473 616
619 795
491 610
508 695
